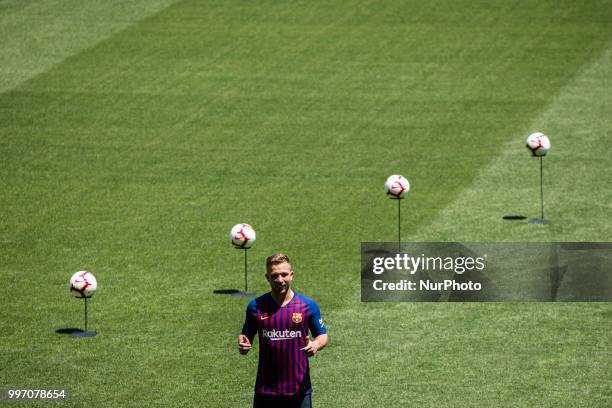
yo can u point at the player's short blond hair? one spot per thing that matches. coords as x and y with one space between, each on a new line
276 259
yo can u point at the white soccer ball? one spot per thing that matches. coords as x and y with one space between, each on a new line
396 186
242 236
538 144
83 284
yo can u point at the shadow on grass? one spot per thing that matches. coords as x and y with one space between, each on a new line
514 217
225 291
68 330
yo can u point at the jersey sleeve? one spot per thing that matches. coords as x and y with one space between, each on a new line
315 322
249 328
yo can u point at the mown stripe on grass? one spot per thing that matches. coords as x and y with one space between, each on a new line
577 172
36 35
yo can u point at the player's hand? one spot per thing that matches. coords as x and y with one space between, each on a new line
311 347
244 345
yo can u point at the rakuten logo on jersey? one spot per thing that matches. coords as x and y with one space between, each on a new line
275 335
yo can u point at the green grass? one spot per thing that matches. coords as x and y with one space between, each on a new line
133 137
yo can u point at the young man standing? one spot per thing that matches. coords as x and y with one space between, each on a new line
282 319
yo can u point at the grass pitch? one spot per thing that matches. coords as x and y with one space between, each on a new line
132 137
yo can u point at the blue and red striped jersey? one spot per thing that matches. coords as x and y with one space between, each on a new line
282 331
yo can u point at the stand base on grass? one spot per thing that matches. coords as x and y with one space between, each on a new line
81 333
243 294
539 221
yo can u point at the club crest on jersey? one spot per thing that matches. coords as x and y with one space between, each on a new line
296 318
